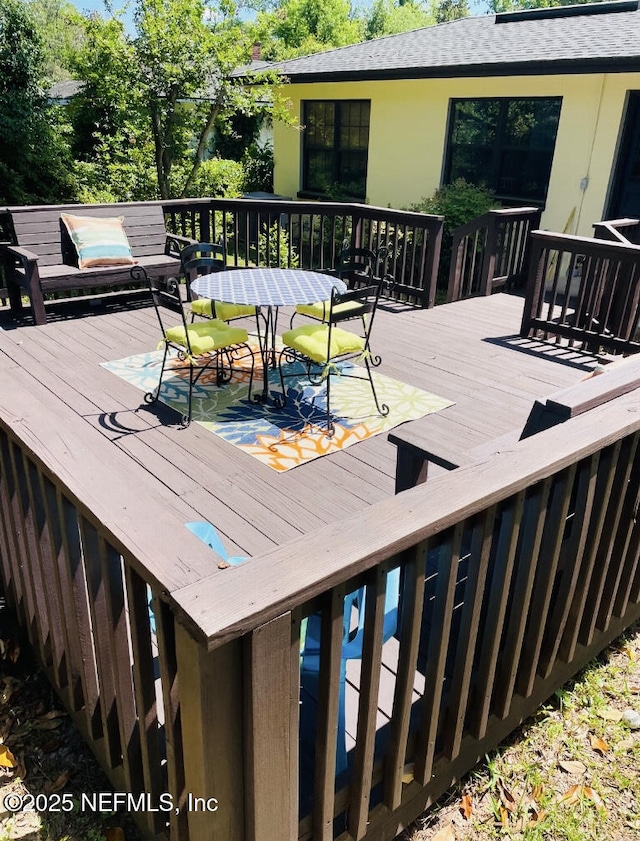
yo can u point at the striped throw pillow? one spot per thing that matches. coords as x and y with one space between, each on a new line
99 242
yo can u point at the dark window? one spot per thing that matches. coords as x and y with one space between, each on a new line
505 144
334 148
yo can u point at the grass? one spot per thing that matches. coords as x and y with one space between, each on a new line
570 773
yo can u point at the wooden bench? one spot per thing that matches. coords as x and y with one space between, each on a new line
418 446
43 258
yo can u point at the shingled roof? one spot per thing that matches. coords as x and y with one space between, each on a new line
590 38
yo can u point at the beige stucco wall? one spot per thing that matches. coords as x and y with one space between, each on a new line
408 134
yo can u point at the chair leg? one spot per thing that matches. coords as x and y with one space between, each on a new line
186 419
151 396
330 424
382 408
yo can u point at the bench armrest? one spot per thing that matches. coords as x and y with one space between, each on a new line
175 243
25 256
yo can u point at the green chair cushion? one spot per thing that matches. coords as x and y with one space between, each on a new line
224 311
321 309
207 336
312 339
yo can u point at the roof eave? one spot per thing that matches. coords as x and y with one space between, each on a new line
614 64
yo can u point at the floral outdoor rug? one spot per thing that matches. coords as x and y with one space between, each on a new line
285 437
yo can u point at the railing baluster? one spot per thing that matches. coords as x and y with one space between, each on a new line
410 611
462 678
75 570
532 529
606 475
93 549
508 522
572 560
550 549
327 714
437 654
182 693
368 705
272 690
50 602
205 735
627 507
151 778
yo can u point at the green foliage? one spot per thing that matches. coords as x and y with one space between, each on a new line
62 30
258 169
458 202
388 17
274 250
451 10
300 27
167 100
514 5
219 177
34 164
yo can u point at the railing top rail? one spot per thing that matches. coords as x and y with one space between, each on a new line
626 222
513 211
584 245
279 582
313 207
611 229
498 213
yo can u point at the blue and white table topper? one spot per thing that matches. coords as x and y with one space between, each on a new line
270 288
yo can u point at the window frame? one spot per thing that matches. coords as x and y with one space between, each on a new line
336 150
501 145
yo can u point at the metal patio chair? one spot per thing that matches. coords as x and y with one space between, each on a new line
324 347
207 258
200 346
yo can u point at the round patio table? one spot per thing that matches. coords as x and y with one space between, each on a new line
268 289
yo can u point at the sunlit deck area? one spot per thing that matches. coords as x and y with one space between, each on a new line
468 352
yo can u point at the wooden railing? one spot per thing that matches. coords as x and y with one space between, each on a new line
491 252
583 291
311 235
515 572
626 231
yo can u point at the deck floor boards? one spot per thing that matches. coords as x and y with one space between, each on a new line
468 352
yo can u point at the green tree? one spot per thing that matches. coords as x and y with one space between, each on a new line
301 27
451 10
171 90
388 17
34 166
62 31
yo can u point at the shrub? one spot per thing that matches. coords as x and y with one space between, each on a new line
258 169
274 250
218 177
459 202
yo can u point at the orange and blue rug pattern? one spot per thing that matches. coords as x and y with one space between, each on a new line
287 437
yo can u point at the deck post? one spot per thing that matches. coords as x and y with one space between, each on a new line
210 688
271 720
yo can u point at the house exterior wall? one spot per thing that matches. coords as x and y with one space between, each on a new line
408 134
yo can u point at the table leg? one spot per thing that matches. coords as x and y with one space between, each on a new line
267 342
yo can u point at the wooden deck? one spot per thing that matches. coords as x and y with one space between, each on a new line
468 352
96 487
